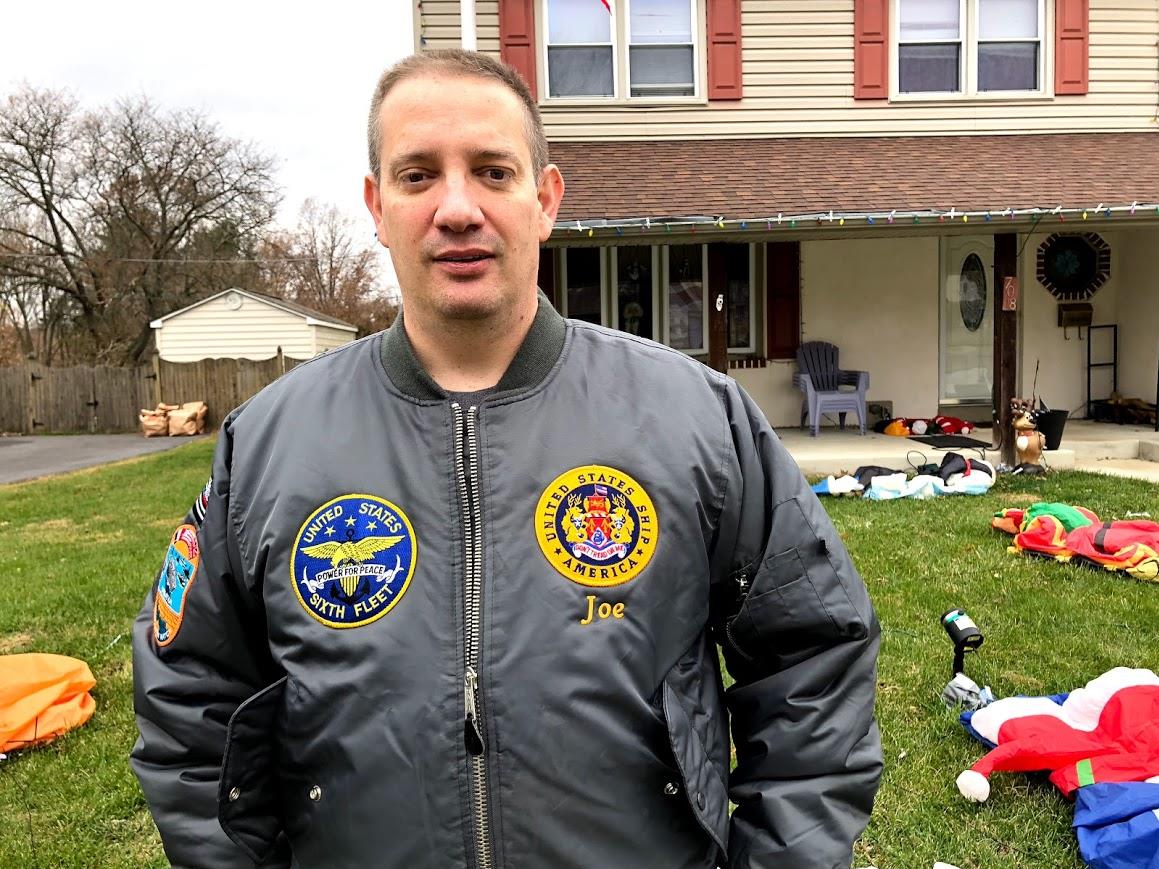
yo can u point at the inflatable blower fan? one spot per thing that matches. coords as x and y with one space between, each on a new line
961 690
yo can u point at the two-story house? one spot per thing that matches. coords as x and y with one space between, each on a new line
744 175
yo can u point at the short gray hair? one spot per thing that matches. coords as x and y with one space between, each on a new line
455 61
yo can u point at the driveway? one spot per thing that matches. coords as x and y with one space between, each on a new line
25 458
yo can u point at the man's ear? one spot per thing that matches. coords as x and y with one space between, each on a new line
550 194
371 196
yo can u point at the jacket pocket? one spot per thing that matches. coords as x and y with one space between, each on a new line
247 795
697 734
782 609
798 599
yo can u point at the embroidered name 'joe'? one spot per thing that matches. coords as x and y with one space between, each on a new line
597 526
353 559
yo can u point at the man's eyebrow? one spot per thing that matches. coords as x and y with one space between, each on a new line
496 154
411 158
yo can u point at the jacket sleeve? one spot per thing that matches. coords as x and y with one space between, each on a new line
191 673
801 639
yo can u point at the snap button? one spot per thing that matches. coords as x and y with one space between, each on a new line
315 793
700 799
671 789
234 794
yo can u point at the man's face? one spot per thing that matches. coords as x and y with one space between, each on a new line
457 202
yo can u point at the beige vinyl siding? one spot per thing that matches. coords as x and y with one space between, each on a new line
1061 357
1137 316
439 24
253 331
327 337
487 25
438 21
798 81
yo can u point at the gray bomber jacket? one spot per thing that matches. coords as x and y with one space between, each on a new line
398 632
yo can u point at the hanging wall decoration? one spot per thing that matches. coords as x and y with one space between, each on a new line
1073 266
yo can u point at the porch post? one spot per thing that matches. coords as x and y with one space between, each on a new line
1005 343
717 301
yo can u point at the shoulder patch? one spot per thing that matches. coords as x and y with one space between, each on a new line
202 503
177 575
596 526
353 559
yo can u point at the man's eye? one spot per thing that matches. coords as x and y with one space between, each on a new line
412 177
495 174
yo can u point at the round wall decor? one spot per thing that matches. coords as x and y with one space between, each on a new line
1072 266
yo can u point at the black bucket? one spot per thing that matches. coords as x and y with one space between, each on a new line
1051 423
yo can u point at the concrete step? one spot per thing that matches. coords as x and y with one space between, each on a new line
1139 469
1099 450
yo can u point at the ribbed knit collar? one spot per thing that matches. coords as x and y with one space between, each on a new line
533 360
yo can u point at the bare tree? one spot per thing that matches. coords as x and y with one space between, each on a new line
126 212
32 316
320 265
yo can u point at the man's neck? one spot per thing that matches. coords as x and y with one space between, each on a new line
469 355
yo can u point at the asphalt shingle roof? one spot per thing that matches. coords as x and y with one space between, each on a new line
758 178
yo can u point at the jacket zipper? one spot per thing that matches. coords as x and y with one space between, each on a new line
742 584
467 474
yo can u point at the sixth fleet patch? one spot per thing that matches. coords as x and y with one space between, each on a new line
353 560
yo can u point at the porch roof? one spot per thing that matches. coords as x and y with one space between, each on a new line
755 179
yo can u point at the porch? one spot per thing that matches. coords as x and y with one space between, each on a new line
1121 450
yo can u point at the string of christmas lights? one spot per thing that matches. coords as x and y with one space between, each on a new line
862 218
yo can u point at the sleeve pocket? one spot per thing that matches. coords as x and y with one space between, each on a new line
783 610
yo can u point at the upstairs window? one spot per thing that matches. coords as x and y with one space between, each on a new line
580 55
969 46
929 50
660 48
1009 45
647 49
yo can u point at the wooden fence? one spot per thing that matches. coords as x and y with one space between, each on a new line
92 399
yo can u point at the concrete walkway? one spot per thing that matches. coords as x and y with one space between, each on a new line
1126 450
26 458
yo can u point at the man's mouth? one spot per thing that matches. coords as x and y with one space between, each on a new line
463 258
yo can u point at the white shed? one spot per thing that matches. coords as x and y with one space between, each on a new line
242 324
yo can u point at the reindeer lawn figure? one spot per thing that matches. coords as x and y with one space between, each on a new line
1029 442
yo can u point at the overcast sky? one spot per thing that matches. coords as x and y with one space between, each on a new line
294 78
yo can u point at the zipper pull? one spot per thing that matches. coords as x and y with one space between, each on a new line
742 584
472 734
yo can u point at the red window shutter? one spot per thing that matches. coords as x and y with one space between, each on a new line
724 56
517 38
871 49
1071 46
782 299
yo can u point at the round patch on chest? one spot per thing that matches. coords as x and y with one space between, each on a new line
353 559
597 526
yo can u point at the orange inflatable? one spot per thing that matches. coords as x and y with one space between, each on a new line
41 697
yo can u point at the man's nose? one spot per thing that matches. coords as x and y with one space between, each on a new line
458 209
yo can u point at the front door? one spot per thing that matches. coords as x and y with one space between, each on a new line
967 320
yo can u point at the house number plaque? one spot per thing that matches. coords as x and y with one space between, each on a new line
1010 294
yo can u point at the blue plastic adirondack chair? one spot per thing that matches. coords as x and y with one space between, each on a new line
821 379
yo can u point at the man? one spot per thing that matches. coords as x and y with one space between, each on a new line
457 586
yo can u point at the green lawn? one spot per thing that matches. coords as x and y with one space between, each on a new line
77 554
